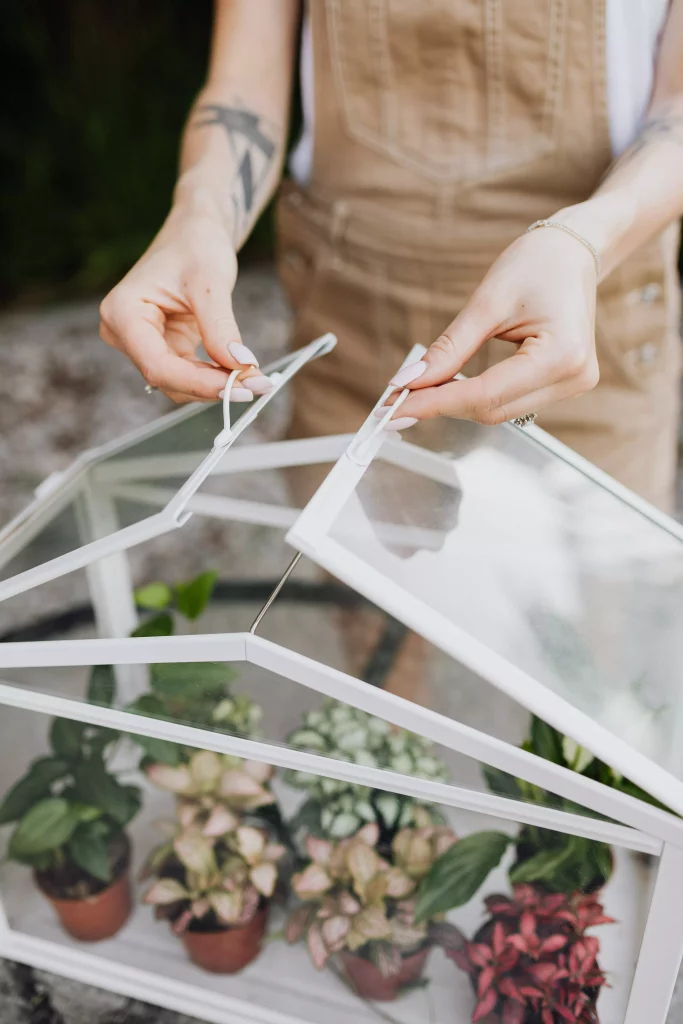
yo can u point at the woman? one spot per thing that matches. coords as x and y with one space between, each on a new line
437 133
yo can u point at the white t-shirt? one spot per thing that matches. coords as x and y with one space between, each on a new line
633 29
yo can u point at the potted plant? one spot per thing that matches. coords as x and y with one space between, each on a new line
335 809
553 860
217 872
71 812
193 693
360 906
532 962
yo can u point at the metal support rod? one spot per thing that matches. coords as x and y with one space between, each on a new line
662 947
287 573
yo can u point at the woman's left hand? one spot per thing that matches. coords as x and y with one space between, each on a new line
540 296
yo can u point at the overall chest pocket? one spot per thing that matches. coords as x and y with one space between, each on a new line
454 89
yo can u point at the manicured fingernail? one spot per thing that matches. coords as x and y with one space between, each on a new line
241 395
402 423
242 354
408 374
382 411
258 385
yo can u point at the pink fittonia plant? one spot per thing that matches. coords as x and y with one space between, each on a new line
356 900
215 868
533 962
217 785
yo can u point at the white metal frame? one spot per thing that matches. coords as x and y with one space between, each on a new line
655 826
645 828
56 493
627 822
311 535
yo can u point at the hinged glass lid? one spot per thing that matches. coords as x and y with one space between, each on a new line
133 489
534 569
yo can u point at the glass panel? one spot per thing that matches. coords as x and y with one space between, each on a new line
541 564
58 536
246 700
281 979
157 465
315 616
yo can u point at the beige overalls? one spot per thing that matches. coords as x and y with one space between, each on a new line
443 128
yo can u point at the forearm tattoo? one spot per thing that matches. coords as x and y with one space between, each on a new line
665 126
254 148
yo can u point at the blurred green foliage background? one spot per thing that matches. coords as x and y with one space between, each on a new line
95 93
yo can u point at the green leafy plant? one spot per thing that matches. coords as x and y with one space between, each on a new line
217 868
354 899
70 808
560 862
195 693
338 809
189 599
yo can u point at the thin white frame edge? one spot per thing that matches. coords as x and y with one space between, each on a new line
640 822
310 535
54 498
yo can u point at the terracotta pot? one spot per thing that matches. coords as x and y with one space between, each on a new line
370 984
228 950
95 917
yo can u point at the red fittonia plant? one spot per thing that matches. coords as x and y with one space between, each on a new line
532 961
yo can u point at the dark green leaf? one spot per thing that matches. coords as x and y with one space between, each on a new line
191 679
604 860
158 625
547 742
271 816
84 812
192 598
562 863
47 826
147 704
160 751
102 686
134 798
34 786
95 786
89 848
41 861
99 738
500 782
625 786
598 770
457 875
307 818
154 596
66 738
543 866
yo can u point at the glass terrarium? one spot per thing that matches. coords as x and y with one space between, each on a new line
427 769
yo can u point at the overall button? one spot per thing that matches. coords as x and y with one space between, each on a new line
647 353
651 292
294 259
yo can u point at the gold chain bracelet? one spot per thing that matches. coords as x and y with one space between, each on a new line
570 231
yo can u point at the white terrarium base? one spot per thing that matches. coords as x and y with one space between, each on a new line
146 961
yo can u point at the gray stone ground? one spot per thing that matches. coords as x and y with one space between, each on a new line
62 390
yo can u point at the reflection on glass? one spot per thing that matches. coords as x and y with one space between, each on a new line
541 564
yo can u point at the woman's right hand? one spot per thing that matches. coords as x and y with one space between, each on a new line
176 297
